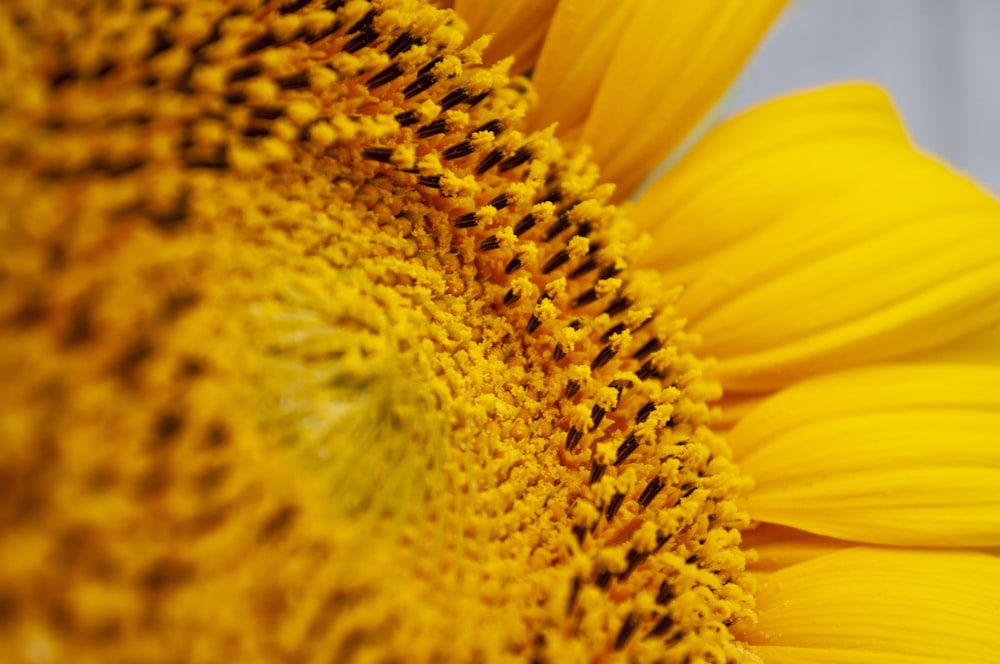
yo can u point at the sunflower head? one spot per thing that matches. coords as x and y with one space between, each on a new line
322 354
328 346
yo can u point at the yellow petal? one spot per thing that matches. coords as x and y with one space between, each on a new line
902 262
777 547
902 455
518 27
981 348
672 63
750 170
871 605
574 59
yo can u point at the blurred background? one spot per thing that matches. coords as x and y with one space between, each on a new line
939 59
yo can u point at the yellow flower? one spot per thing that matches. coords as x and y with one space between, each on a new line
321 342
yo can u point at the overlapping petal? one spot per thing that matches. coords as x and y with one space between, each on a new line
902 455
869 605
816 210
636 77
747 172
777 547
518 27
576 55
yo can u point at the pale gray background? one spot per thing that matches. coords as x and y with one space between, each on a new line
939 59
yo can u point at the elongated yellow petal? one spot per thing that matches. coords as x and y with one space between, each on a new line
777 547
518 27
907 260
579 44
904 455
756 167
982 348
798 655
672 62
872 605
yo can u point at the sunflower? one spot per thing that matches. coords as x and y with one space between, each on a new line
331 332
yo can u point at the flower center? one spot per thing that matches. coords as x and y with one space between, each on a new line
430 314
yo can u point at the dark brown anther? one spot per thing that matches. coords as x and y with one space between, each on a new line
432 181
166 428
649 493
588 265
614 505
293 6
278 523
603 357
626 631
526 223
618 305
562 223
648 348
494 126
453 98
646 371
603 580
574 589
267 112
500 202
558 354
573 437
387 75
597 472
585 298
645 412
490 243
255 132
617 328
297 81
489 161
382 155
467 220
401 44
665 594
597 414
439 126
630 444
510 297
235 98
459 150
249 70
522 156
473 101
265 40
558 259
407 118
361 40
420 84
609 271
513 266
533 324
634 559
551 196
662 626
572 387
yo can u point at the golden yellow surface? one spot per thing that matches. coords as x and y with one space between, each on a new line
310 354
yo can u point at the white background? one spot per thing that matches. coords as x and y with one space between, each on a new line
939 59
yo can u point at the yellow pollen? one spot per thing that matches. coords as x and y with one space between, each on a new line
317 356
